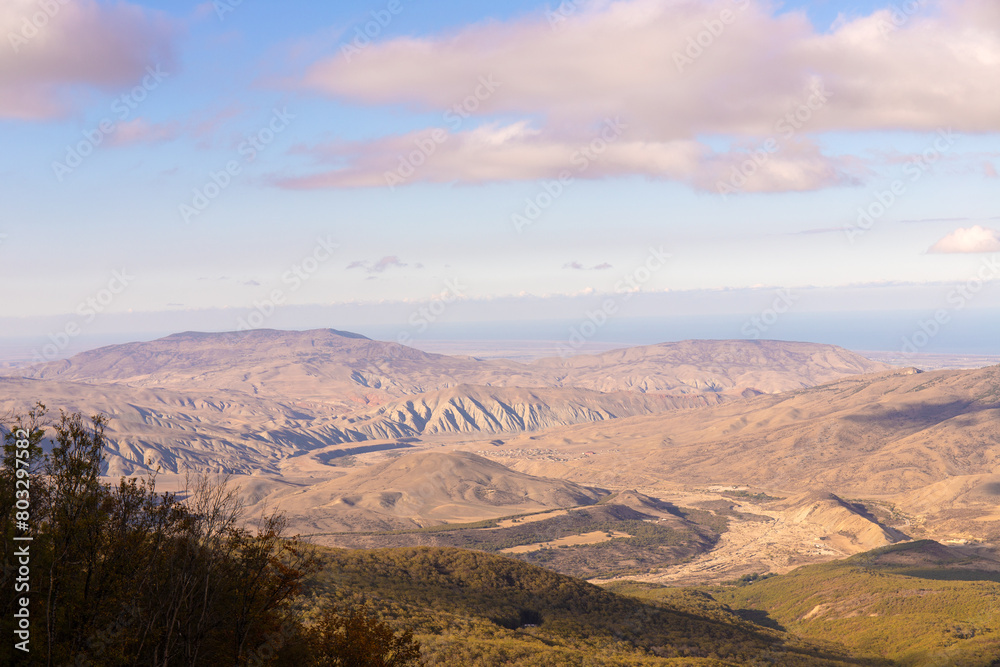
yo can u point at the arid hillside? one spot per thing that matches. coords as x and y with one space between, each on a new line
349 370
723 366
833 454
881 434
243 402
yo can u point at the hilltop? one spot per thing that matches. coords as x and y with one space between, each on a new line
242 402
418 489
343 369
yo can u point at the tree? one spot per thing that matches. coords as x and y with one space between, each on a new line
359 640
121 575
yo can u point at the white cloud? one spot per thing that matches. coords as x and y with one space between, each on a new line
969 240
491 154
49 52
938 69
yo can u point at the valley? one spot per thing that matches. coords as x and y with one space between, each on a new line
718 468
828 454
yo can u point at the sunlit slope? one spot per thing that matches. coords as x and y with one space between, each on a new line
723 366
419 489
917 603
874 435
347 369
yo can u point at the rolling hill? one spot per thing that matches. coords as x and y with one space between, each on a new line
918 603
732 367
882 435
625 533
246 402
233 432
469 608
418 489
328 366
350 370
863 461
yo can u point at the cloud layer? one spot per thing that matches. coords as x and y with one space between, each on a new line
680 71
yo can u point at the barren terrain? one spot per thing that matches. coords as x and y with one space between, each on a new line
804 452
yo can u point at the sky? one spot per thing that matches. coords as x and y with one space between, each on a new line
407 169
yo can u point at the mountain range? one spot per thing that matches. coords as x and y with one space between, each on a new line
806 452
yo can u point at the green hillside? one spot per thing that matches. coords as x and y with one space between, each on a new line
473 608
919 604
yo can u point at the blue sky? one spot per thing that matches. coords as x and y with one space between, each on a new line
911 103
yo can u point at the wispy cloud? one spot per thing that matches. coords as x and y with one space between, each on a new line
140 131
969 240
922 220
379 266
520 152
577 266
